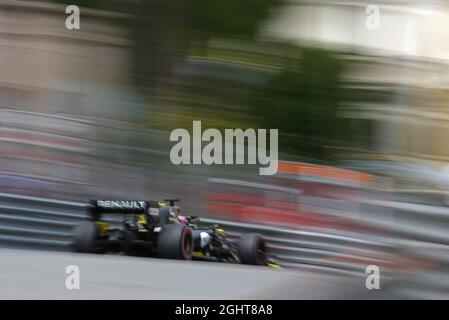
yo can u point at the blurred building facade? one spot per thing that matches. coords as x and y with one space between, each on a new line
46 68
52 80
406 55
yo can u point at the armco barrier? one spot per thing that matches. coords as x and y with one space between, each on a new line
38 223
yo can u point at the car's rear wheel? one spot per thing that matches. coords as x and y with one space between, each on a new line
252 249
175 242
85 236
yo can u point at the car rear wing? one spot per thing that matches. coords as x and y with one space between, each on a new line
98 207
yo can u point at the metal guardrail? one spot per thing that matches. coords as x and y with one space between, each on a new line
40 223
37 223
31 222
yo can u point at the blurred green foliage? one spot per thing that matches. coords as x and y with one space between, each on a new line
302 98
228 18
303 101
164 30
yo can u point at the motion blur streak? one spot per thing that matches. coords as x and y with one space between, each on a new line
359 98
105 279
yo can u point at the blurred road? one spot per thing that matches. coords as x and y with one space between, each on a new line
41 275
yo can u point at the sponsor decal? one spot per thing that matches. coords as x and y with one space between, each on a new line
123 204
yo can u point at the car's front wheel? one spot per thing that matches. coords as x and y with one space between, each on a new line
252 249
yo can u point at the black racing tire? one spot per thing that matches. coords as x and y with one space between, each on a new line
85 236
252 249
175 241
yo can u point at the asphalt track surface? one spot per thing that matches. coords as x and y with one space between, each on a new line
26 274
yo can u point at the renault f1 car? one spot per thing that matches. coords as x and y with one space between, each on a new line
153 228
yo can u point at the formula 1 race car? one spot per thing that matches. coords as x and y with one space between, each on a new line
152 228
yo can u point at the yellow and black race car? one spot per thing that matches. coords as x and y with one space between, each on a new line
152 228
